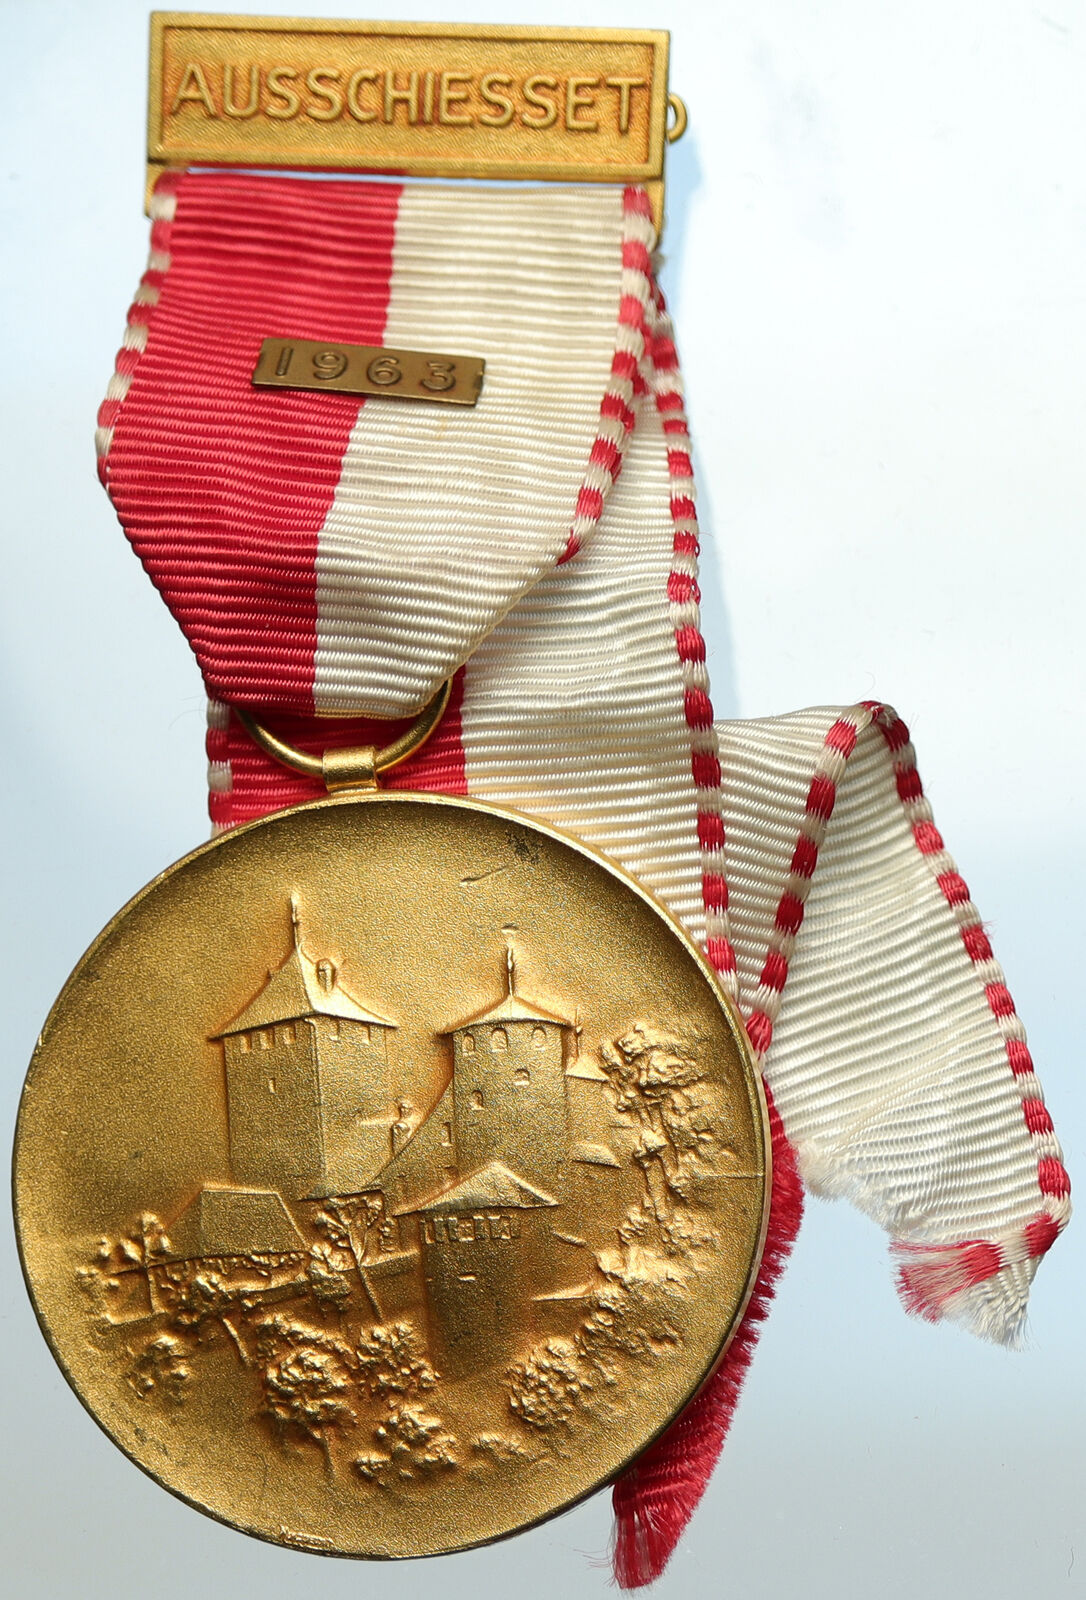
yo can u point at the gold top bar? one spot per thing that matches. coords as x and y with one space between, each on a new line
587 105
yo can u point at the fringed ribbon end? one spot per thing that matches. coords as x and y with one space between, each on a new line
930 1275
981 1283
646 1532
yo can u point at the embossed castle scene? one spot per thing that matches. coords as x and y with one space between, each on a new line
539 1225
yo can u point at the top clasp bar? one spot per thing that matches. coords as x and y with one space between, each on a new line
573 105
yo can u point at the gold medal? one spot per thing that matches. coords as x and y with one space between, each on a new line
389 1173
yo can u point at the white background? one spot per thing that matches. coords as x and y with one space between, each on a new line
876 260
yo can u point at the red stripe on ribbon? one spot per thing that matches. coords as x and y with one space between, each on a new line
223 488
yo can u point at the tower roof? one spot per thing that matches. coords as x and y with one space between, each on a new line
296 991
512 1007
226 1221
493 1185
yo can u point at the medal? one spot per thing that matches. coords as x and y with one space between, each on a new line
435 1167
461 1189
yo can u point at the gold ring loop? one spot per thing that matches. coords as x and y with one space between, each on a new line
351 769
678 127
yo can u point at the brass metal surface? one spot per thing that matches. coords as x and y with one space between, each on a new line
418 99
677 128
370 370
388 1174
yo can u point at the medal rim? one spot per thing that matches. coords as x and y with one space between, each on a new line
730 1008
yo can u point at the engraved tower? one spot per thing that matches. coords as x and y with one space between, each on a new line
509 1089
309 1100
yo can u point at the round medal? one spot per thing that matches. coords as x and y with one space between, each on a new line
389 1173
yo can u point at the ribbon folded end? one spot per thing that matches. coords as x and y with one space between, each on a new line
971 1282
645 1536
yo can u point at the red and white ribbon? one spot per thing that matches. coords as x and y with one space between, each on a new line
331 556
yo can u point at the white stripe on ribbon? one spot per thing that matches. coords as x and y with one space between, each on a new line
440 522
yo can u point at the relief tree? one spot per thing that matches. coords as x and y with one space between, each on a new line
392 1366
131 1259
550 1386
353 1225
391 1361
658 1081
306 1381
160 1369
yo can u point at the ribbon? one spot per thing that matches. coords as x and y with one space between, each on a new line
327 556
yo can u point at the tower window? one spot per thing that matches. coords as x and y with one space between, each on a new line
364 1032
499 1041
287 1035
446 1133
539 1037
244 1043
333 1027
477 1099
522 1075
265 1037
271 1085
326 975
467 1044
